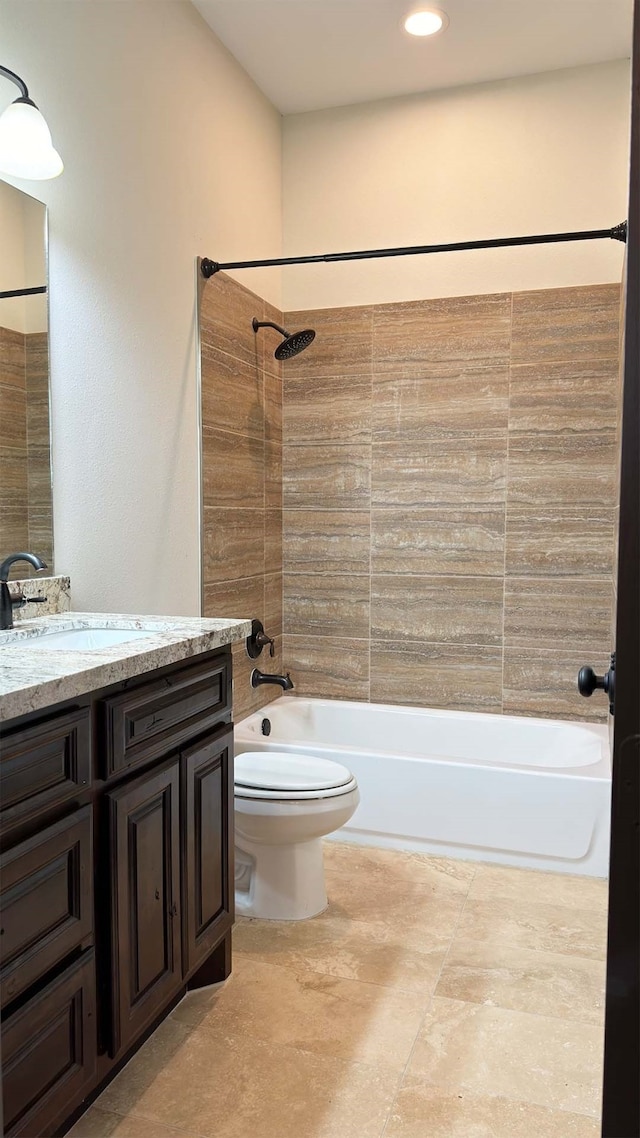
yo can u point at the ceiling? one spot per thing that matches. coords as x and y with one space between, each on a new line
310 54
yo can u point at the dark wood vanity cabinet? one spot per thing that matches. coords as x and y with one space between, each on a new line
116 879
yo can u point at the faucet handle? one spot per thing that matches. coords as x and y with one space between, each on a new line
259 640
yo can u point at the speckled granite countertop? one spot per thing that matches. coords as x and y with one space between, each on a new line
30 680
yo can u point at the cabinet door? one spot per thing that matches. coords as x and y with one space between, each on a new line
146 966
49 1052
208 845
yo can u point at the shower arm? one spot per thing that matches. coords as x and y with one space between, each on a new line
616 233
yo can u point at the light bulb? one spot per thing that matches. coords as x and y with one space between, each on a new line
425 22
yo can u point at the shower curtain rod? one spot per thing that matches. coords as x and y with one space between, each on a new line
617 233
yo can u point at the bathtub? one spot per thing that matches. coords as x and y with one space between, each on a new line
517 791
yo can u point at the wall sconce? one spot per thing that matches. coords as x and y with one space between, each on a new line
26 149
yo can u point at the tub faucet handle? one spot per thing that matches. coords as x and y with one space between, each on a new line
259 640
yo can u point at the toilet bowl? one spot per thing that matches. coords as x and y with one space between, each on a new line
284 805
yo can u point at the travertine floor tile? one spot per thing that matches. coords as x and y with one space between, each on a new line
422 1111
541 982
234 1087
99 1123
299 1008
337 946
529 924
491 1051
395 869
550 888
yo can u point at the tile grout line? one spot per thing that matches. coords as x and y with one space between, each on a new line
506 500
430 1003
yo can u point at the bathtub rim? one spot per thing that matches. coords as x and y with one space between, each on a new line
598 770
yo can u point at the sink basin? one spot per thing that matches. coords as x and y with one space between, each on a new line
84 639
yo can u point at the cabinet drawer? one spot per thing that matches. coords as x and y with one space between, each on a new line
49 1053
46 911
145 722
44 765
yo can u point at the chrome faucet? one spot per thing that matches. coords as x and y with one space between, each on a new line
257 678
7 602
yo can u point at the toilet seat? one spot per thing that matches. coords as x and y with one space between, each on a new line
289 777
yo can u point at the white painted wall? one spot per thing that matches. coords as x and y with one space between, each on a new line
545 153
170 151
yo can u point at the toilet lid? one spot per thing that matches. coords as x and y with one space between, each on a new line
274 770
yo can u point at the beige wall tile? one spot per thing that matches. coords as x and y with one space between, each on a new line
328 604
559 541
273 603
461 328
443 472
14 531
226 312
343 343
13 477
562 470
542 612
243 598
327 409
326 541
460 1114
12 357
538 682
444 610
580 395
328 667
326 477
566 324
438 541
443 399
233 543
460 677
13 416
233 469
232 395
273 541
493 1051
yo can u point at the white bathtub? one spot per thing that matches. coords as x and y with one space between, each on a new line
529 792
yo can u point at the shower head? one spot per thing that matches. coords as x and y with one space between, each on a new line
293 343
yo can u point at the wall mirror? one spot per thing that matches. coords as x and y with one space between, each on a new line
26 513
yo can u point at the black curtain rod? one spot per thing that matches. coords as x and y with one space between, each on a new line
617 233
23 292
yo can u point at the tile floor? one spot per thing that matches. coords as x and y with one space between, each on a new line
433 999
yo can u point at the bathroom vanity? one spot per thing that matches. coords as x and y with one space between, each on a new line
116 846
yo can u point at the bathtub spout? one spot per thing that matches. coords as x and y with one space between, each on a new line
257 678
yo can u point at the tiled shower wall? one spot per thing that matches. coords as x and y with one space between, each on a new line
26 516
449 500
241 473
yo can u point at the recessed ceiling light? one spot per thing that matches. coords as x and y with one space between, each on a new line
425 22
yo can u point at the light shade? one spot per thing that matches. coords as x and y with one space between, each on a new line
26 149
425 22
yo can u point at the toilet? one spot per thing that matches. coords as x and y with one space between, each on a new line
284 805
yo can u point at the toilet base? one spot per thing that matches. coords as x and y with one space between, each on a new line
280 883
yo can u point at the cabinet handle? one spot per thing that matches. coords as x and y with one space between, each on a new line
173 911
157 894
